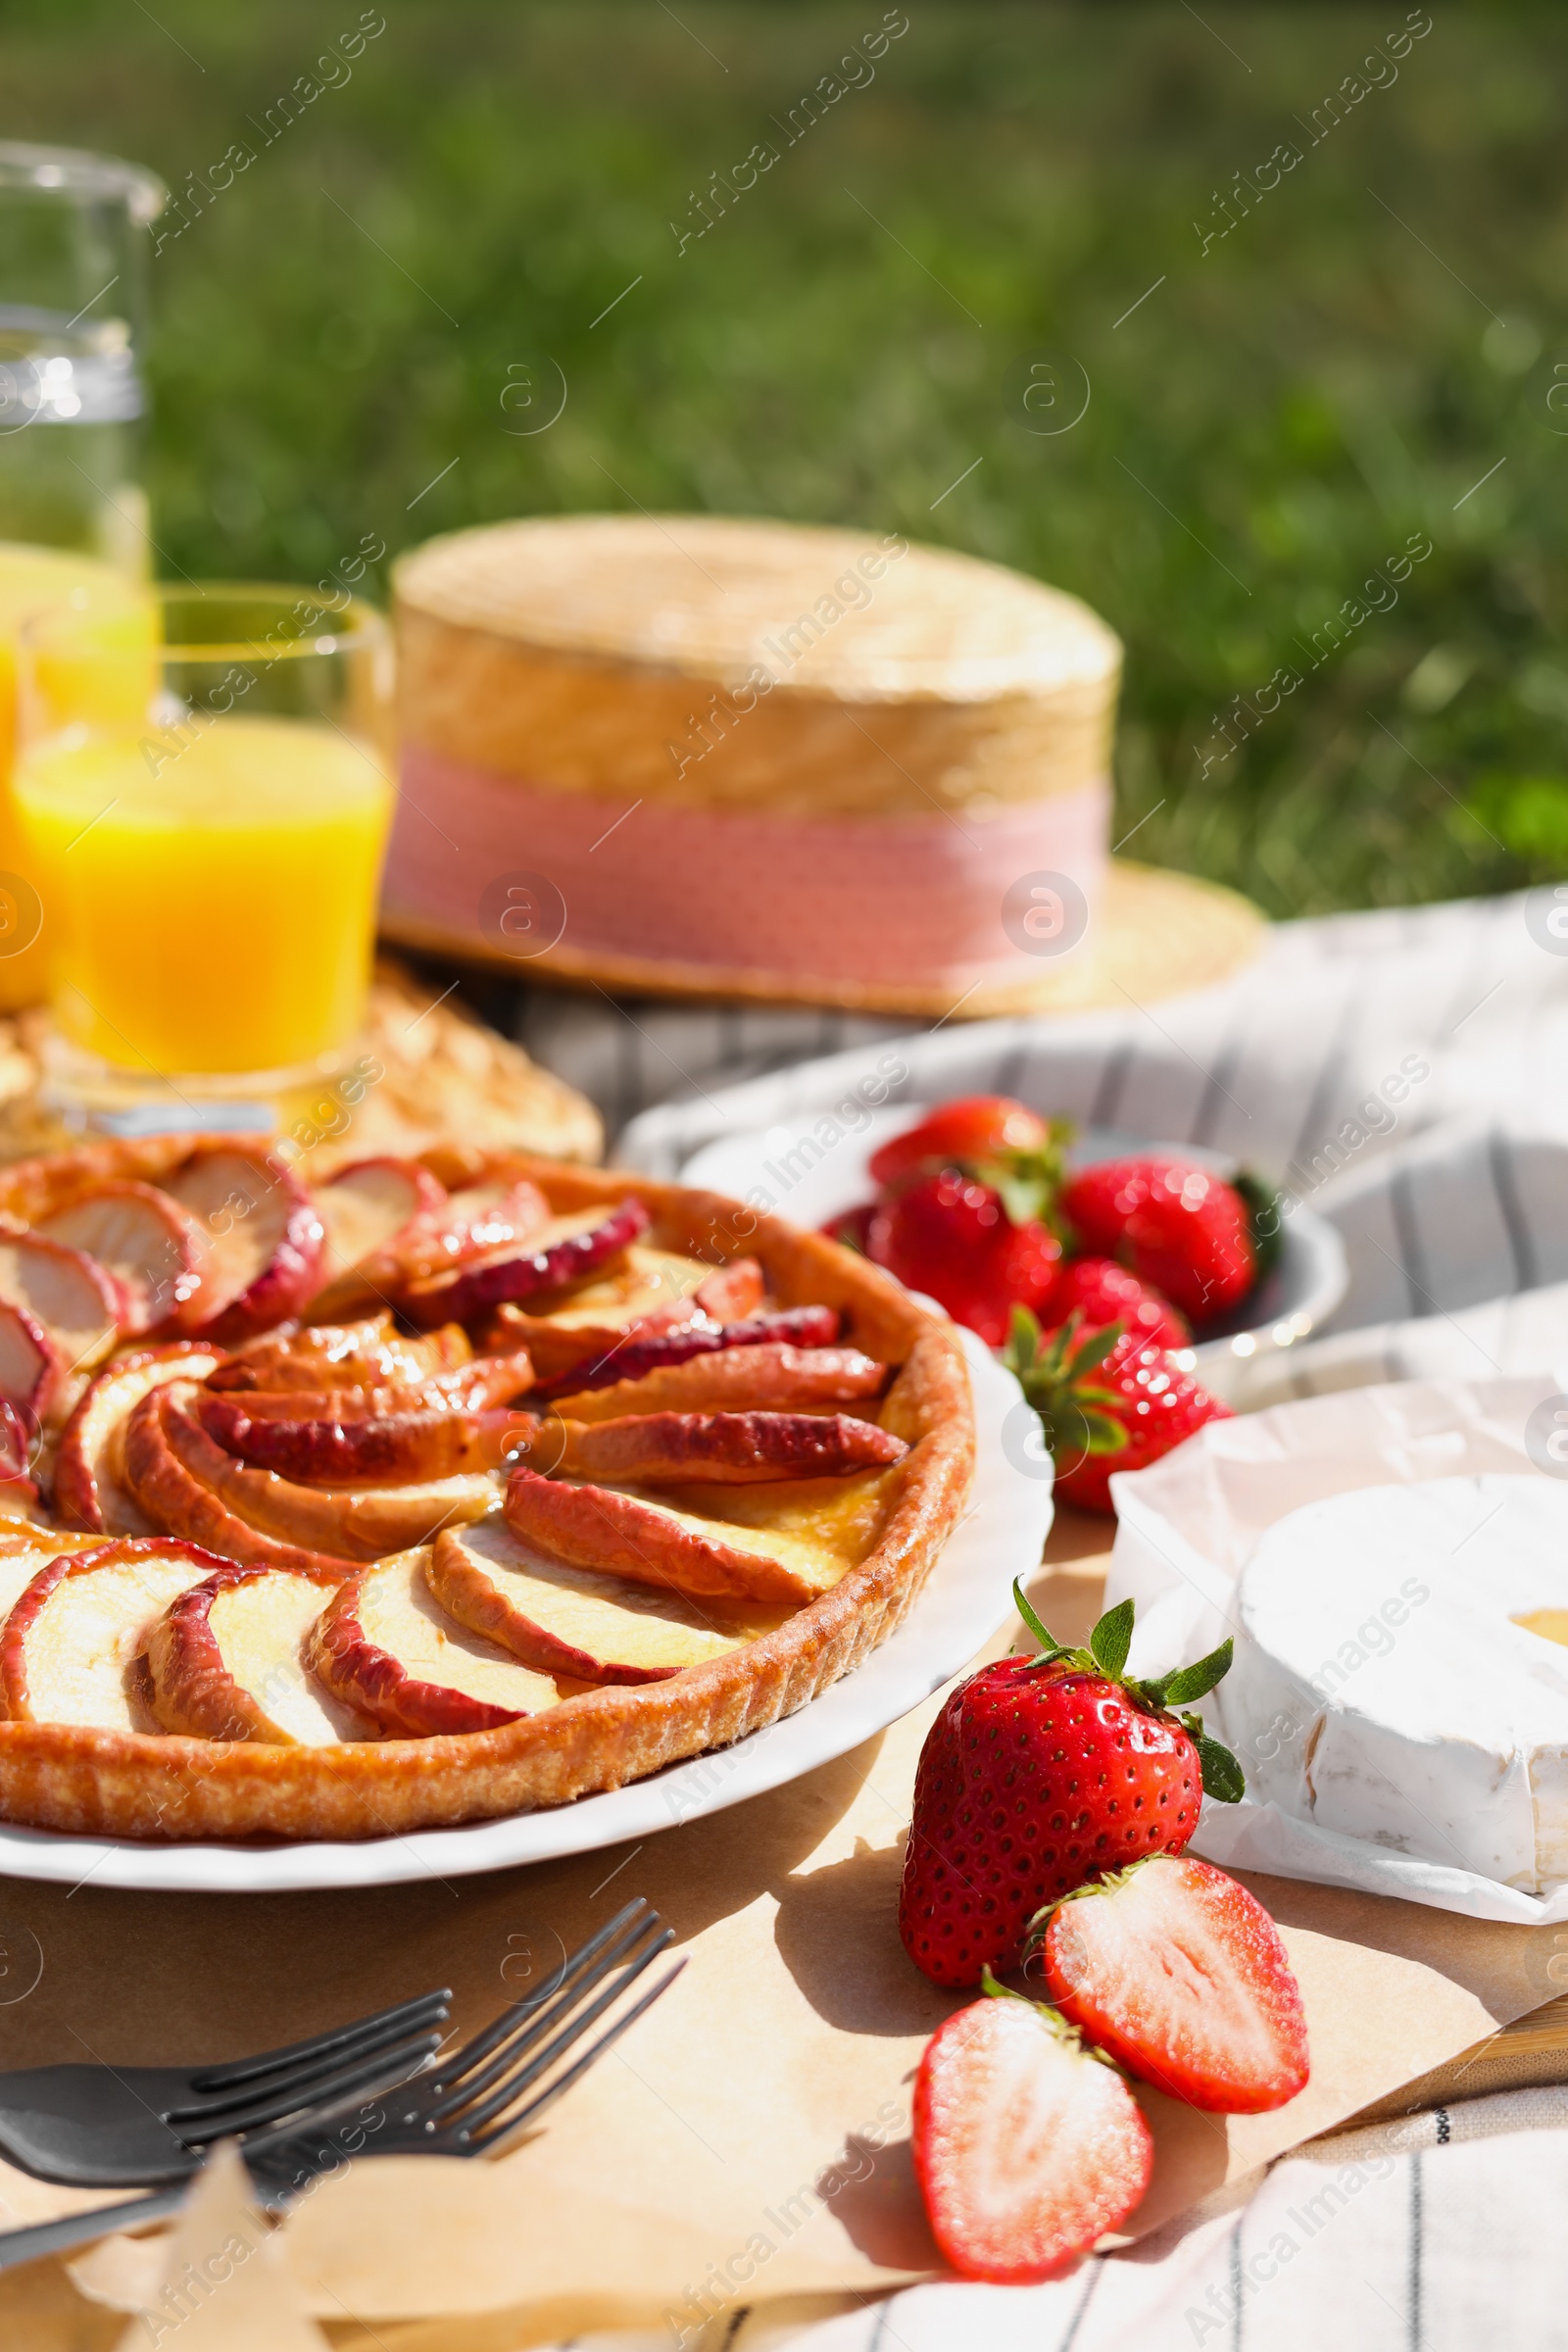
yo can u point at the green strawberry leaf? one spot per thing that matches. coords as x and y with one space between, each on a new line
1024 1200
1187 1683
996 1991
1095 1348
1223 1777
1099 1433
1023 1343
1020 1602
1112 1637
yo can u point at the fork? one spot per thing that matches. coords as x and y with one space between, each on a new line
464 2105
129 2126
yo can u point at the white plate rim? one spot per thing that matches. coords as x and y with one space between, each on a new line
965 1598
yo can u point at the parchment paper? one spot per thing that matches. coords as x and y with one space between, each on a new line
1187 1525
751 2137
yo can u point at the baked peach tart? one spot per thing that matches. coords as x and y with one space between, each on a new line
447 1489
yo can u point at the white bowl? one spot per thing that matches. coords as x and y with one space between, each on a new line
808 1178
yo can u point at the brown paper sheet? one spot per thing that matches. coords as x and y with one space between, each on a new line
749 2138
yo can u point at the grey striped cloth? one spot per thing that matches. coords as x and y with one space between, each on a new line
1406 1074
1442 2232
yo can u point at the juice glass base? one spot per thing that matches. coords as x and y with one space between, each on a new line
309 1105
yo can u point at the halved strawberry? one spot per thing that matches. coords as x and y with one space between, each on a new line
1180 1974
1028 2147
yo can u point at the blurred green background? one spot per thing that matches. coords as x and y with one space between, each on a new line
923 286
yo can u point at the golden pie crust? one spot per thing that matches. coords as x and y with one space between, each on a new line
129 1784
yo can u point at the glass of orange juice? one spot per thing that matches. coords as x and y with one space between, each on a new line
202 785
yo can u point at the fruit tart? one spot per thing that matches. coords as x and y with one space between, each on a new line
445 1489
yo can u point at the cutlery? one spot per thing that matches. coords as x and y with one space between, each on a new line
129 2126
464 2104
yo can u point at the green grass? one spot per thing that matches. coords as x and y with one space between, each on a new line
1269 425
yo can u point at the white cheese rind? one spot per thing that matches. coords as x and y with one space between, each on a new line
1380 1688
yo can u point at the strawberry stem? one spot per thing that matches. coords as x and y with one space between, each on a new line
1107 1657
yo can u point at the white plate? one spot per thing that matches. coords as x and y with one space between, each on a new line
966 1597
811 1181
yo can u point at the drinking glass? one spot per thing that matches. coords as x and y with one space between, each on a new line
203 789
72 274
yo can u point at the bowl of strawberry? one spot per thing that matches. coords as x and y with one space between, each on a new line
1122 1282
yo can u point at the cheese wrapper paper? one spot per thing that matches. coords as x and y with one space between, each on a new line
1190 1527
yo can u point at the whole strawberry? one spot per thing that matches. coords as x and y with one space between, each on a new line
1107 1402
1043 1772
1180 1228
951 1236
1100 1292
978 1132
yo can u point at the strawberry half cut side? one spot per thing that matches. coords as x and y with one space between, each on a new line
1179 1973
1028 2146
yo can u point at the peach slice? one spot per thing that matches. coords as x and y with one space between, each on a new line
170 1467
566 1250
32 1370
342 1446
638 1352
663 1450
345 1355
152 1247
383 1644
650 1293
226 1662
483 1218
381 1218
653 1544
574 1620
77 1305
264 1238
733 1291
22 1555
18 1486
89 1482
71 1645
477 1388
339 1523
774 1377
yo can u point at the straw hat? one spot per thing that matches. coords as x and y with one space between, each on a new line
719 757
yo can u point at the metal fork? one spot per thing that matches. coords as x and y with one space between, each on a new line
482 2094
129 2126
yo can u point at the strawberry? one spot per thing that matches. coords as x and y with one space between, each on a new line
1179 1227
1139 1404
850 1226
1100 1292
975 1127
991 1138
1037 1772
1180 1975
951 1236
1027 2146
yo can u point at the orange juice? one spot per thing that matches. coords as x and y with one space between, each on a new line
209 894
33 579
